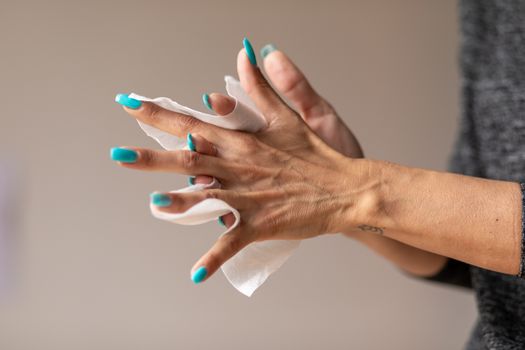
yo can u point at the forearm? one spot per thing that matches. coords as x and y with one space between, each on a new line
407 258
474 220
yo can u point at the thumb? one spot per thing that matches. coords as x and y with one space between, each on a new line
288 79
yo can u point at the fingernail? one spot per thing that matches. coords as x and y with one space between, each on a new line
191 144
267 49
160 199
191 180
249 51
206 101
221 221
123 155
199 275
127 101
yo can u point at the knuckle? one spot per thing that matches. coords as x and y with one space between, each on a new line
153 113
214 257
231 243
294 82
211 194
261 84
248 143
185 122
276 112
250 173
273 114
190 160
213 149
148 158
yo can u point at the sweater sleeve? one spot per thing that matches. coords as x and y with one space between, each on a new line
454 272
522 261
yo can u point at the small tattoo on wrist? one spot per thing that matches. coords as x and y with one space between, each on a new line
373 229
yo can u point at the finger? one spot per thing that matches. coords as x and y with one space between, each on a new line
256 85
182 162
227 220
223 105
200 179
223 249
219 103
180 202
198 143
174 123
290 81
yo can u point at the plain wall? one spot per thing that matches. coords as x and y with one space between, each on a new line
94 270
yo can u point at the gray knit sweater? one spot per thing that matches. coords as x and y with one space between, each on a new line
491 144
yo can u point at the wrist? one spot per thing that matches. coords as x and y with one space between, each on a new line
370 191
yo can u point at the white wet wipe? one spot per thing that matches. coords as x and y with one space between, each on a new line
249 268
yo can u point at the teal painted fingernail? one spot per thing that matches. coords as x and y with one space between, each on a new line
199 275
160 199
267 49
127 101
191 180
191 144
249 51
123 155
221 221
206 101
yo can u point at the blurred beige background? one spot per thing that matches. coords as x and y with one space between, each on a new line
93 269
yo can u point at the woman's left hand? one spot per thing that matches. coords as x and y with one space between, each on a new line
285 181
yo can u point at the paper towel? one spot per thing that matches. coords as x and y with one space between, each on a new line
249 268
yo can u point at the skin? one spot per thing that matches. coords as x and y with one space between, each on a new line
304 176
322 118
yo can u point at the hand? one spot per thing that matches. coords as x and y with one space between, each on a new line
318 113
285 181
320 116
